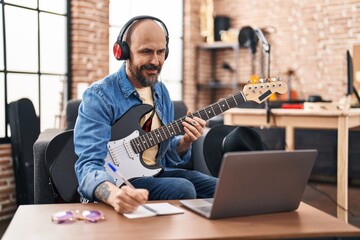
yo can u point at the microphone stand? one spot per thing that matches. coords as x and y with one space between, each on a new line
266 49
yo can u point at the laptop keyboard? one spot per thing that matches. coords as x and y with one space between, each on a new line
205 209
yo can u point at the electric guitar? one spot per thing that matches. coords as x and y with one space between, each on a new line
125 153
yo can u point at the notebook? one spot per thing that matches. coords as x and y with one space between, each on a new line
257 182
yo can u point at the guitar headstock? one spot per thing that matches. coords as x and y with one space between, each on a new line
259 92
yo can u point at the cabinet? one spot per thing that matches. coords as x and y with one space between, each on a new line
214 83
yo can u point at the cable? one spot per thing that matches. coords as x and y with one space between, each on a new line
333 200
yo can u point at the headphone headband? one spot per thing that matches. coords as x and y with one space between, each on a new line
130 22
121 49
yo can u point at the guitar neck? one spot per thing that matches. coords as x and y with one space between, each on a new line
147 140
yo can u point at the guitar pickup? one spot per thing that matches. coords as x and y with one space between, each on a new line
120 149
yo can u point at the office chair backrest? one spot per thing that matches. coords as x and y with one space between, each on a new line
72 108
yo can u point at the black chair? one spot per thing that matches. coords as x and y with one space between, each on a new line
25 129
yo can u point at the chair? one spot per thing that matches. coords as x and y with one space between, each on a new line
25 128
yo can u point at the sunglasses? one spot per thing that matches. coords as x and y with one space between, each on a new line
70 216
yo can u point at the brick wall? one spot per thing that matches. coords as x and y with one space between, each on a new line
90 41
7 183
309 37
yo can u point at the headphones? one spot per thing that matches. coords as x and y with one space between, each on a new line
121 48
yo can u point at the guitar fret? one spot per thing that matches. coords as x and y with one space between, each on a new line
142 143
154 138
203 114
163 134
235 99
221 107
174 131
207 116
178 124
137 144
217 108
144 140
240 96
227 104
151 140
197 114
208 113
231 101
213 111
167 132
157 135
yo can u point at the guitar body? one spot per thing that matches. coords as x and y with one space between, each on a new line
121 154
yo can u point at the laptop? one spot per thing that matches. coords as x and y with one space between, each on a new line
257 182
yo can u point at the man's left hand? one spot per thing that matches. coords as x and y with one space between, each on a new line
194 128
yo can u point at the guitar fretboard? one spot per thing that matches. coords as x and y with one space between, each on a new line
147 140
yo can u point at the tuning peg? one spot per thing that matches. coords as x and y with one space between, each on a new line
274 79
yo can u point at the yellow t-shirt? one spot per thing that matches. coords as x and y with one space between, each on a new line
149 155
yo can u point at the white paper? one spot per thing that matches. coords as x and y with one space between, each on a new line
160 208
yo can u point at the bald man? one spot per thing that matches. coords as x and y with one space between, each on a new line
109 99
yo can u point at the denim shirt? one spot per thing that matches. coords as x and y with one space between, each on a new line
104 102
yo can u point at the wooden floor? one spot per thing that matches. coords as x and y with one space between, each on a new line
319 195
323 197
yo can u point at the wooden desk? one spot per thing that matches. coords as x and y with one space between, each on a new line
296 118
33 222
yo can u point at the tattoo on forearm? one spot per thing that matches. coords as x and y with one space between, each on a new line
102 191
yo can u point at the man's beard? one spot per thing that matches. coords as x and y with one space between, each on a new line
141 78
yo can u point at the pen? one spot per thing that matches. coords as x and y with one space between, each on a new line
115 170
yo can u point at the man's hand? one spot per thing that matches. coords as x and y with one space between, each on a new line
124 199
194 128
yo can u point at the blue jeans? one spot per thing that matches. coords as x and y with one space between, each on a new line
178 184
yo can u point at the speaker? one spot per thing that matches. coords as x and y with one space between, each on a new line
220 23
121 48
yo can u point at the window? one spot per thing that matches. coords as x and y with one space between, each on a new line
34 58
122 11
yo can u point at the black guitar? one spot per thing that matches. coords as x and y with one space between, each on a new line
127 143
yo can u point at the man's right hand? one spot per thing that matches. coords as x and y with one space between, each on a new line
124 199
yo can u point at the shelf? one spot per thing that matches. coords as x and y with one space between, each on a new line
217 85
213 83
218 45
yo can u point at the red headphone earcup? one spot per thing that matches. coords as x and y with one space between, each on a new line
117 51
